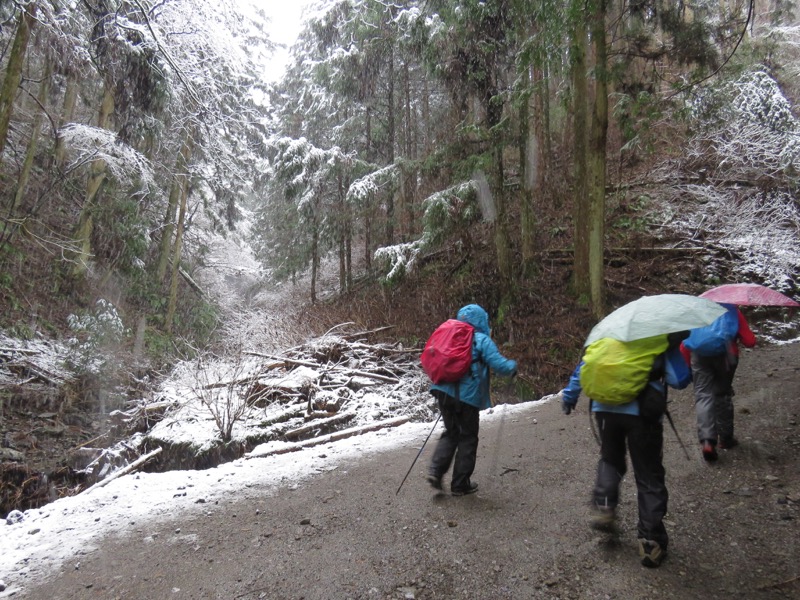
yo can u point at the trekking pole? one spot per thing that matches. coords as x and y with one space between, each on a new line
418 453
509 386
680 441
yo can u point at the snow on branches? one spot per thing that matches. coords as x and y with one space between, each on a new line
749 127
363 189
447 212
745 163
400 258
123 163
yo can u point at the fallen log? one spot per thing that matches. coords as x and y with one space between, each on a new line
332 437
313 365
135 464
316 424
192 283
372 376
347 336
26 367
18 351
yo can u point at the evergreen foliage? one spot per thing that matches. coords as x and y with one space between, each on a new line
156 130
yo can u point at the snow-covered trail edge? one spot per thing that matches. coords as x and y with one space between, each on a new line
49 536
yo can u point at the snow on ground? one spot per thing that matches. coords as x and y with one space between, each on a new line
45 538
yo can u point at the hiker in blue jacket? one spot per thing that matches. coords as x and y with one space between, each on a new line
460 404
713 354
618 424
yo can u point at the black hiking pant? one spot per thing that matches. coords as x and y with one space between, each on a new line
459 441
645 443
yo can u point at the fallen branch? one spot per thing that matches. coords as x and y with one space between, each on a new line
769 586
284 360
138 462
222 384
626 284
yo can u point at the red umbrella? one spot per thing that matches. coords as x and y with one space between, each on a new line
748 294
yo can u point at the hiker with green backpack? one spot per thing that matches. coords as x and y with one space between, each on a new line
626 384
457 357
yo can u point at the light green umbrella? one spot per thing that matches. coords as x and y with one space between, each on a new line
656 315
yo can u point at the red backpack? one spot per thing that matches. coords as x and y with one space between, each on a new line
447 356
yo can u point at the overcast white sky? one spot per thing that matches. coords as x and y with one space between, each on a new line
285 25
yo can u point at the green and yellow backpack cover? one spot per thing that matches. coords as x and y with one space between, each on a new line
616 372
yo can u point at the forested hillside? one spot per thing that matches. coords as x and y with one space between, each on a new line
161 198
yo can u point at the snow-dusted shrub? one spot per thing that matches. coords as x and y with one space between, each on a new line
747 127
744 158
221 387
762 229
97 335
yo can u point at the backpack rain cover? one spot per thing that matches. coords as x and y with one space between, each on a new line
614 372
447 356
714 339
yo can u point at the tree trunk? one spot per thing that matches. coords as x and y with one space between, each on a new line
390 142
547 134
341 226
426 117
67 114
367 208
181 165
14 70
501 238
97 175
408 192
177 248
580 198
314 262
526 147
597 163
30 155
348 254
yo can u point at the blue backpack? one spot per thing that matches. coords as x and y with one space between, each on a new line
715 339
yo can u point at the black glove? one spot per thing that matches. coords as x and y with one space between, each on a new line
566 407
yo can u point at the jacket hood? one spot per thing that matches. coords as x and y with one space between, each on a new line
475 316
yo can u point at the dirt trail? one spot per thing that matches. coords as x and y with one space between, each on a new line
734 526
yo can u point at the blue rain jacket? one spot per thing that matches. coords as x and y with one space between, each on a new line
676 375
473 388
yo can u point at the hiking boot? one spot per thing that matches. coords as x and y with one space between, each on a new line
434 481
726 443
709 451
651 553
470 489
603 519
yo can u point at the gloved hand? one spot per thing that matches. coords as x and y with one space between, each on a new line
566 407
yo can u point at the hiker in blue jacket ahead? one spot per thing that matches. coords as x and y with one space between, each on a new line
645 442
460 404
